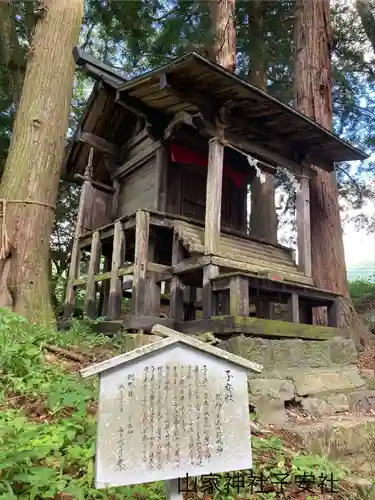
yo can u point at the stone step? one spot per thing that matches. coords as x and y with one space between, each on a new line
349 440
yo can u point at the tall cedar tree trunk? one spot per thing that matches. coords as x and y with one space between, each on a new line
263 216
11 53
313 97
366 11
32 168
223 49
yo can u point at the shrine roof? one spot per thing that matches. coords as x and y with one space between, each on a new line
171 337
192 82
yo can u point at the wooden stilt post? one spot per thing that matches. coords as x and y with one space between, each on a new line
213 197
70 296
115 286
303 227
104 289
90 298
212 220
140 262
239 300
293 306
161 179
153 291
176 309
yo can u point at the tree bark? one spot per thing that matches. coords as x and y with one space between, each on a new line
366 11
11 53
223 49
313 97
32 168
263 216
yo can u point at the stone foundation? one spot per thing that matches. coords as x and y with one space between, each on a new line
321 376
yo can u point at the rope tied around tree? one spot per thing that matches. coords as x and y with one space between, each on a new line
4 240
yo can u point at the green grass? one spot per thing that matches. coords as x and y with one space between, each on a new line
48 426
362 290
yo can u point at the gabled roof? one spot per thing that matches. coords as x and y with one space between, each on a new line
191 81
172 337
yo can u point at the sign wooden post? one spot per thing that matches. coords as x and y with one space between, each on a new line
172 409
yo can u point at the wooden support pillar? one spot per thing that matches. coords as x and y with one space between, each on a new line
210 271
176 301
70 296
293 308
303 226
190 299
213 197
90 298
239 300
161 179
152 290
115 199
333 313
115 286
142 228
104 289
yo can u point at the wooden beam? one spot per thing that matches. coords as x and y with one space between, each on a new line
333 313
118 257
209 272
99 144
239 300
176 311
115 198
70 295
303 227
90 298
293 308
97 184
137 161
161 173
213 197
142 228
140 108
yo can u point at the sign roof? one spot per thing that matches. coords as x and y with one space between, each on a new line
171 337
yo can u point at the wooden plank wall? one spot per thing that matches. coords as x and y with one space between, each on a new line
97 210
187 196
137 189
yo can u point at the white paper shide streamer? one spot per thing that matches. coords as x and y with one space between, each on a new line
253 162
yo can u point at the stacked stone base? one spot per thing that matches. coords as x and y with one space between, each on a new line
319 377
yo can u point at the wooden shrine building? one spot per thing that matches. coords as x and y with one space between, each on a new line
165 161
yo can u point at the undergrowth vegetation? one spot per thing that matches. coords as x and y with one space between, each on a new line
362 291
48 427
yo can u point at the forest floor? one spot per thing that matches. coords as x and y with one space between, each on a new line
48 431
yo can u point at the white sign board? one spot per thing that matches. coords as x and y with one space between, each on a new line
171 412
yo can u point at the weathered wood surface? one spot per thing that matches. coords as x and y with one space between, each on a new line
224 325
118 257
239 300
99 144
97 209
243 254
303 227
142 229
123 271
161 174
176 290
90 296
138 189
70 295
209 272
213 197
